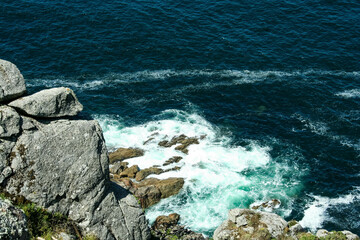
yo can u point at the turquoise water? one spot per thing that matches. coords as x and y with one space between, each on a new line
274 86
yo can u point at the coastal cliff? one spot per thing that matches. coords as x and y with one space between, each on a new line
60 162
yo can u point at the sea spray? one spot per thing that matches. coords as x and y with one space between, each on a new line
218 174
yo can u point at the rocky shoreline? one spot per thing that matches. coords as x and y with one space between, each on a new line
51 157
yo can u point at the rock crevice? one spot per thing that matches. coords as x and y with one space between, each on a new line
62 164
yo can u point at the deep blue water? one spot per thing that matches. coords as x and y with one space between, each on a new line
282 74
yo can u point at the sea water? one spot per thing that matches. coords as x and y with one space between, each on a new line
272 86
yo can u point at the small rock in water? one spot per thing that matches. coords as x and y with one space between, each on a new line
141 175
125 153
268 206
175 159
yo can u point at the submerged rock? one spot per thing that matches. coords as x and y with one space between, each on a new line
183 140
12 83
124 153
175 159
267 206
49 103
13 223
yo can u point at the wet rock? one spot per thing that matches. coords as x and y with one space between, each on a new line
141 175
163 222
13 223
49 103
130 172
12 83
185 143
175 159
167 187
148 195
9 122
118 167
173 169
183 140
149 140
124 153
152 190
267 206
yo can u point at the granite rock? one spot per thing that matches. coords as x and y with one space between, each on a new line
12 83
49 103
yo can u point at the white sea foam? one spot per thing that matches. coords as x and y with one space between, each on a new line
228 77
353 93
218 175
316 213
322 129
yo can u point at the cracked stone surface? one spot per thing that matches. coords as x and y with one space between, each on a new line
63 165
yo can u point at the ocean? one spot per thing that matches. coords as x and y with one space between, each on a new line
274 86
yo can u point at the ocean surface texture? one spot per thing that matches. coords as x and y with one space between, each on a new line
274 85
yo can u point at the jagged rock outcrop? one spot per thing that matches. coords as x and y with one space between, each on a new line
13 223
49 103
63 165
12 83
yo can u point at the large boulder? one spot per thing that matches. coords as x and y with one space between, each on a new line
63 166
249 224
49 103
13 223
12 83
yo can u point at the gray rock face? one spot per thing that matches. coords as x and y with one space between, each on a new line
12 83
256 225
63 166
9 122
350 236
49 103
13 224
